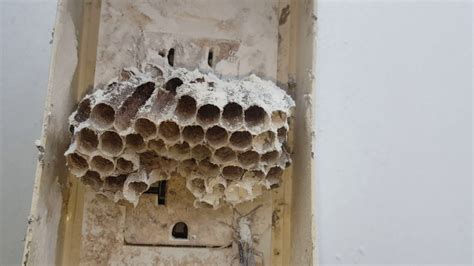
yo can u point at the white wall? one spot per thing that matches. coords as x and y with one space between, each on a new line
25 30
394 132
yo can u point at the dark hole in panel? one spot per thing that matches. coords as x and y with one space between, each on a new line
180 231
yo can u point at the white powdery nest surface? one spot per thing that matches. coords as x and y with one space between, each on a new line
226 137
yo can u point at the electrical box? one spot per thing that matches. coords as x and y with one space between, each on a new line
94 40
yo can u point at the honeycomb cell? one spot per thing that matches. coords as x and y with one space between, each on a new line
249 159
254 175
102 116
232 116
187 167
198 184
208 115
224 155
92 179
158 146
87 141
270 157
282 134
264 141
114 183
169 131
83 110
255 118
208 169
77 164
241 140
186 108
279 118
138 187
200 152
232 172
124 166
135 142
130 106
274 176
180 151
218 189
111 143
216 136
145 127
102 165
193 134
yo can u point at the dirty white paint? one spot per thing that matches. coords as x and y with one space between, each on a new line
393 132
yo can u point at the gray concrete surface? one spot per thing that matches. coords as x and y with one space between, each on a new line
25 54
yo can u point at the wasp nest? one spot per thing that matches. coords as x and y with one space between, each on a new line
226 137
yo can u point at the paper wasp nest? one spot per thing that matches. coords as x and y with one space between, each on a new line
226 137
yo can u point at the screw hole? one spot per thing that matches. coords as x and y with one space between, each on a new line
180 231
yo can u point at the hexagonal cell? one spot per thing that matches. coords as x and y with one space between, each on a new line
169 131
249 158
87 140
187 166
240 140
124 166
130 106
274 176
196 185
145 127
254 174
208 169
255 118
233 116
172 84
278 118
135 142
111 143
200 152
102 116
282 134
232 172
186 108
218 189
264 141
193 134
270 157
102 165
180 151
138 187
208 115
158 146
216 136
224 154
77 164
92 179
83 110
114 183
